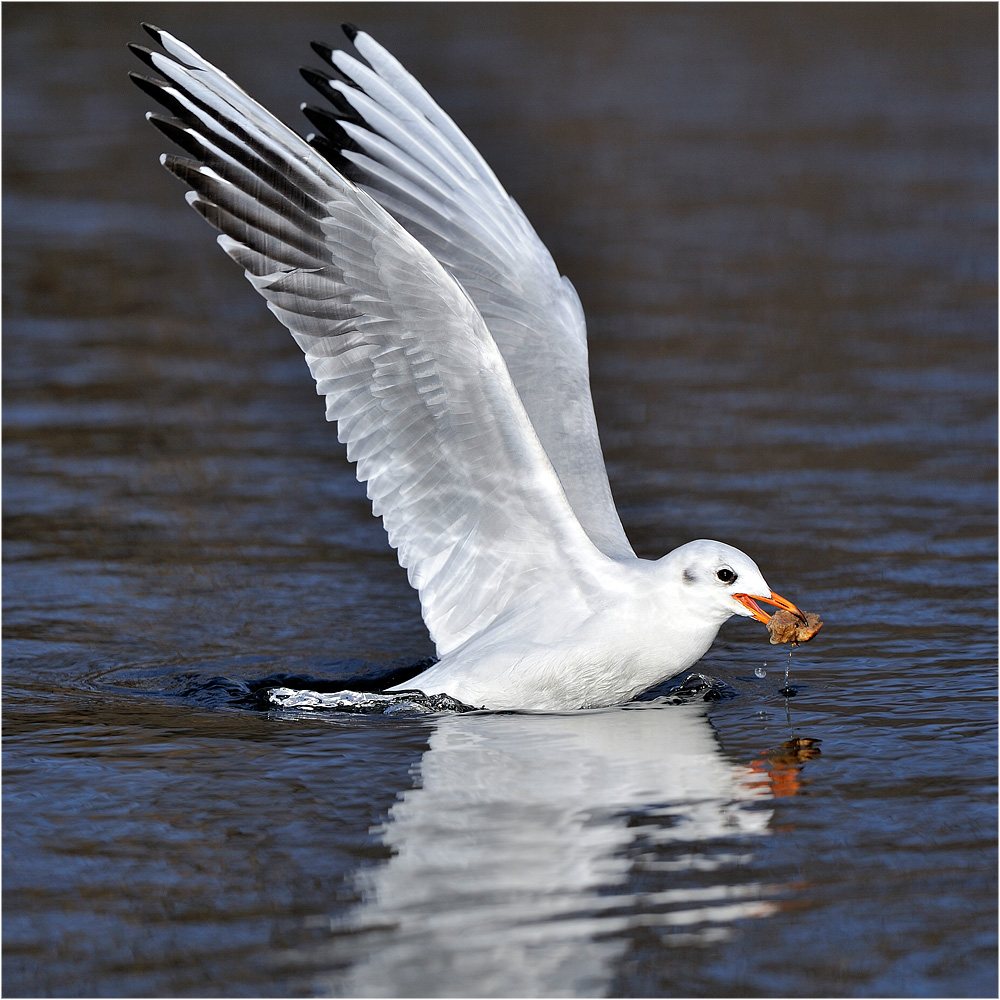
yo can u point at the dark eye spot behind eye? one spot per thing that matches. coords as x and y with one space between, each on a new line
726 575
689 576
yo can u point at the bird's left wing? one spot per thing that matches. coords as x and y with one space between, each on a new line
421 394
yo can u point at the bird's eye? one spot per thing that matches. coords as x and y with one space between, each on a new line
726 575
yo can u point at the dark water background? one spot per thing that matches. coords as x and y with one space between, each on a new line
781 221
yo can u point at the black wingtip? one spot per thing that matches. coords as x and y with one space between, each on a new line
334 155
328 150
328 124
174 129
345 110
327 74
155 88
320 117
160 91
351 30
143 53
324 51
152 30
320 81
317 79
180 166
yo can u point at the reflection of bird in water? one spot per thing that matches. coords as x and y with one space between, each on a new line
532 847
780 767
453 357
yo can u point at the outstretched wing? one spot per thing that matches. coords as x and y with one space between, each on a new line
421 394
390 137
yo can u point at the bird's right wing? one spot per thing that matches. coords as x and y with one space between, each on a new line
421 394
389 136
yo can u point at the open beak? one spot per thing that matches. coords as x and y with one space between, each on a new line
750 603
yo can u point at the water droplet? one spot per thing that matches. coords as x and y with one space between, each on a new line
760 672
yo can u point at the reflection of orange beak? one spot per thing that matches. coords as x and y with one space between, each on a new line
750 603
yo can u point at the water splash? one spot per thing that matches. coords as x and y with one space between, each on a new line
366 702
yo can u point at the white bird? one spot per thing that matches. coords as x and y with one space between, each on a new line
453 357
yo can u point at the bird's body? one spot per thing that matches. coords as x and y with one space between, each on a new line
453 357
640 620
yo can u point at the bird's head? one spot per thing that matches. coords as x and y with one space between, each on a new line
716 581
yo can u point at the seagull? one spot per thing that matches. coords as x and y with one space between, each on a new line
453 358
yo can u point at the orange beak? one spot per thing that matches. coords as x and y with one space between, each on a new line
750 603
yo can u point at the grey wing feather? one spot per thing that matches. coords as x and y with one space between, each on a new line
410 372
400 147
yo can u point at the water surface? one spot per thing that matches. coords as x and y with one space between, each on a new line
781 222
